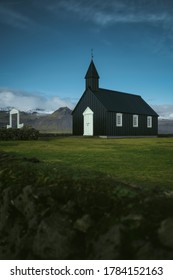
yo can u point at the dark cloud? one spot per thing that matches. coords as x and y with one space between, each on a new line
15 18
117 11
101 13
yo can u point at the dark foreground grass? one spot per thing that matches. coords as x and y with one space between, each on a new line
140 162
82 198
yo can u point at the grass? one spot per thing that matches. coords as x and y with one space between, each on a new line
89 187
144 162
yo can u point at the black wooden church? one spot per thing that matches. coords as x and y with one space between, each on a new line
103 112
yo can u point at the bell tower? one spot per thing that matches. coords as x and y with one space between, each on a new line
92 77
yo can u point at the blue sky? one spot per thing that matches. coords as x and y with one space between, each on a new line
45 50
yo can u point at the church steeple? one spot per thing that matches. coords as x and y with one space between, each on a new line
92 77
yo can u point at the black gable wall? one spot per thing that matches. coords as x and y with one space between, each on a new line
89 100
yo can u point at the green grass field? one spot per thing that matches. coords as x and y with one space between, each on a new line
140 162
86 198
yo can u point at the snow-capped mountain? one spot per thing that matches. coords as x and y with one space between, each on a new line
59 121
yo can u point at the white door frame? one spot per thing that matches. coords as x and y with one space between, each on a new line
88 122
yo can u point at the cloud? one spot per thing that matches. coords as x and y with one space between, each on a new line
25 101
164 111
103 14
115 11
14 18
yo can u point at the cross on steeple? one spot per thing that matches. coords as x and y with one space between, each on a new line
92 55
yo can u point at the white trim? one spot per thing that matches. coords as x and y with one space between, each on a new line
88 111
135 120
88 122
14 112
119 119
149 122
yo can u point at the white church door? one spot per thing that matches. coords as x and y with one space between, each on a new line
88 122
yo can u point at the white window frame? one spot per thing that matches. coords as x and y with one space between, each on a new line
135 120
119 119
149 122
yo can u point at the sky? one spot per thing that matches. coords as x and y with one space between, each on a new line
45 51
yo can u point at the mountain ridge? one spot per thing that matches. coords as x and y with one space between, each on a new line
60 121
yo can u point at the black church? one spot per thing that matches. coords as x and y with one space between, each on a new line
103 112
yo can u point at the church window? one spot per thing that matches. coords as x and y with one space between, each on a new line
135 120
149 121
119 119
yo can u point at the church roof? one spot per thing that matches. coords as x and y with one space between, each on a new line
92 71
116 101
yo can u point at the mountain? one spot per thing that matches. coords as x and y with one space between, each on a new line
165 126
4 118
59 121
